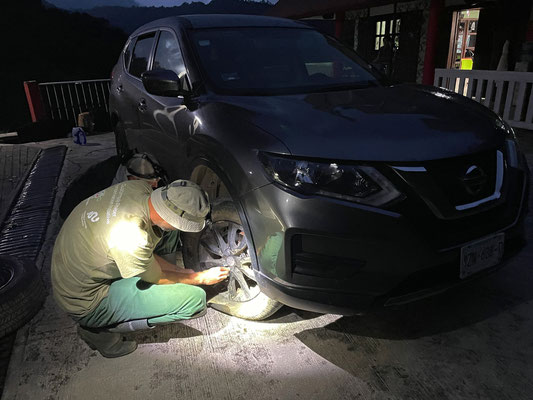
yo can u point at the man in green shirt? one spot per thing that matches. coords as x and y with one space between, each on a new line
105 274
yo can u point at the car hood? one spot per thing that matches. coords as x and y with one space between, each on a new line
397 123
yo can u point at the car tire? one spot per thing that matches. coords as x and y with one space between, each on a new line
202 251
121 143
21 293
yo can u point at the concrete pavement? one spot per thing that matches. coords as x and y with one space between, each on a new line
473 342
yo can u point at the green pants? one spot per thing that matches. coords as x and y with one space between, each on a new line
131 299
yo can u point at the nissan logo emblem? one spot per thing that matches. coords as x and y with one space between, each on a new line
474 180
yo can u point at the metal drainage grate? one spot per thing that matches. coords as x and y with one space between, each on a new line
24 229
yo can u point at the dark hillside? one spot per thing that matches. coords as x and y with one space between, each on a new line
49 44
131 18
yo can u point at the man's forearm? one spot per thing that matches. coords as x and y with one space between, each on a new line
167 266
164 264
170 273
170 277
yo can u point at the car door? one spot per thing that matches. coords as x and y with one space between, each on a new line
132 89
166 121
123 99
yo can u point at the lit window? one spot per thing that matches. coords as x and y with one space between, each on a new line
390 27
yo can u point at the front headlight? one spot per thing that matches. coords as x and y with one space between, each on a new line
361 183
506 128
511 144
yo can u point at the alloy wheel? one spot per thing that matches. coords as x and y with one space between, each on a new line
223 244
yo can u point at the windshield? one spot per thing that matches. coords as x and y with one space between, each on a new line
257 61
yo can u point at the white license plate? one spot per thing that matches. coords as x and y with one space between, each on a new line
482 254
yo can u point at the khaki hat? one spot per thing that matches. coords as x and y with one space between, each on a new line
183 204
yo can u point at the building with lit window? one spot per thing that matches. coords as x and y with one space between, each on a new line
426 34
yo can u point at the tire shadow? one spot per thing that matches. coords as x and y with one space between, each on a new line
287 315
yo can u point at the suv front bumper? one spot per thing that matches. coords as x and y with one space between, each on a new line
330 256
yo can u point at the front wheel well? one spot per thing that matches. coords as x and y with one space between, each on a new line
218 192
211 183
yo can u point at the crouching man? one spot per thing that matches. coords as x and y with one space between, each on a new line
105 274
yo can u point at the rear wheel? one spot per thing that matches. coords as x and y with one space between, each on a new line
224 244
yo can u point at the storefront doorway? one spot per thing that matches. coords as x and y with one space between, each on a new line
404 31
463 39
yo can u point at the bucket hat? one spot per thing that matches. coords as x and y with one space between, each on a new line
183 204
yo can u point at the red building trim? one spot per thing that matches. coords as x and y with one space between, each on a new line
435 9
35 103
529 34
339 24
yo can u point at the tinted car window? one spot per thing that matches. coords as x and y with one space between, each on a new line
127 53
141 54
277 60
168 54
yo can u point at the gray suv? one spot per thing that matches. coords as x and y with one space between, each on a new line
331 190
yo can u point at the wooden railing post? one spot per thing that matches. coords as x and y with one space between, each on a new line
35 102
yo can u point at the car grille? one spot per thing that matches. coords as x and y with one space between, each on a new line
431 213
459 187
449 186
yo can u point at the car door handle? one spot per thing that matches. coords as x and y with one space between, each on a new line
142 107
120 89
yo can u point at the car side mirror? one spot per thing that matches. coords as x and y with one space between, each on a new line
162 82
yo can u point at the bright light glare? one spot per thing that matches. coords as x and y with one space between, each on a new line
126 236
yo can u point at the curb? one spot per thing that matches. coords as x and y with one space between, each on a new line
25 220
24 227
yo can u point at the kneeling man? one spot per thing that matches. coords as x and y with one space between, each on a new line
105 274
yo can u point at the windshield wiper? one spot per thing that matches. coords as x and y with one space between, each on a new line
347 86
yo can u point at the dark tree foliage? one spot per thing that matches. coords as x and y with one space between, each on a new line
48 44
88 4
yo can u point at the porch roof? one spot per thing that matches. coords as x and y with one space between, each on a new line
309 8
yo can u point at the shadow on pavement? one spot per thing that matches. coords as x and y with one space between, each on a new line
162 334
457 308
459 336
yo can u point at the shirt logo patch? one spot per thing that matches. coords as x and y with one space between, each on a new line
93 216
98 196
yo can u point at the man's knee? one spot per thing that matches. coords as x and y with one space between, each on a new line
192 299
199 301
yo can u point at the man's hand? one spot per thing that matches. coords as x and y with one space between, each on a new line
212 275
169 274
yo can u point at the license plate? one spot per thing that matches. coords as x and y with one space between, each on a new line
484 253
